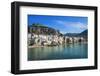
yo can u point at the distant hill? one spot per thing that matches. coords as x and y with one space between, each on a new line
82 34
71 34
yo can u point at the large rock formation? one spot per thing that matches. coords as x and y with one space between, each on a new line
41 29
39 34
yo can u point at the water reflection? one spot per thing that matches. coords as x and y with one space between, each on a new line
66 51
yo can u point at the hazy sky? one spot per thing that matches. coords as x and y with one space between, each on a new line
65 24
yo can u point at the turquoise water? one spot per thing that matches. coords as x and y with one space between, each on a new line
65 51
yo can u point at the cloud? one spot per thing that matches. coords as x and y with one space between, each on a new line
77 25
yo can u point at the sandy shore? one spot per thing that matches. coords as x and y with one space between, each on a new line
34 46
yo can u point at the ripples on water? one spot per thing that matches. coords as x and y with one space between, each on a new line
65 51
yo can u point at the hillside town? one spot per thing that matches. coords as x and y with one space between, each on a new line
40 35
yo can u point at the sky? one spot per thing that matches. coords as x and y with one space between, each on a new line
65 24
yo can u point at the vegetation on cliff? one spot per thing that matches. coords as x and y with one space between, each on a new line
42 29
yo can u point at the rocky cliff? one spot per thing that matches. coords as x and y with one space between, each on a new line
42 29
